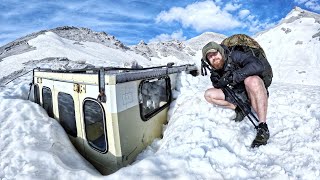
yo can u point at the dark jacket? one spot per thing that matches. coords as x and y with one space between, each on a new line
241 65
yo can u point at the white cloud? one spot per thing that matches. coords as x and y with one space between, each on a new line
207 15
19 9
300 1
250 17
200 16
244 13
253 23
232 7
312 4
177 35
103 9
256 26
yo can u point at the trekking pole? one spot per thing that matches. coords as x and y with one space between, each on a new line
242 106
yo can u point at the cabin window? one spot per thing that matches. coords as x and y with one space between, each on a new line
67 116
154 96
95 128
47 100
36 94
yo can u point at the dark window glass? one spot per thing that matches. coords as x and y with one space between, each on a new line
95 125
47 100
67 116
154 95
36 94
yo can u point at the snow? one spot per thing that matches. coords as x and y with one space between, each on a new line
34 145
293 51
200 140
51 45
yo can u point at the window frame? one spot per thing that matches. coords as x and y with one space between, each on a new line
50 114
148 116
75 118
104 125
36 93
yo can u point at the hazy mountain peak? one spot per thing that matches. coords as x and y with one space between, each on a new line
158 49
142 43
298 13
85 34
198 42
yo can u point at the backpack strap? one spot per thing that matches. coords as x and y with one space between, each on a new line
252 52
228 61
204 67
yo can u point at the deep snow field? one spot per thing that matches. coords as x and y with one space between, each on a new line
200 141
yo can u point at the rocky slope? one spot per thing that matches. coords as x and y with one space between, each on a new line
79 35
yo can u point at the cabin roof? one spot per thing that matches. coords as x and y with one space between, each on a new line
126 74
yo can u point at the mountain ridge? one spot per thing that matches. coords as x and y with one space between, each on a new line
295 14
298 33
294 43
80 34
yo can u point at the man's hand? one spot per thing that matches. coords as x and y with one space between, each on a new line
194 73
223 81
214 77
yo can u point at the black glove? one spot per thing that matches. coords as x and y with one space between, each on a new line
194 72
224 81
214 77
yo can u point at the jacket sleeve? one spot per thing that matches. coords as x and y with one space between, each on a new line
248 65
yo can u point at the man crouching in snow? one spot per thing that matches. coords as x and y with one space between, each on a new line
244 73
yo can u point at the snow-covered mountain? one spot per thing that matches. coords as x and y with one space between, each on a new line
68 44
81 47
174 48
292 47
189 50
198 42
72 33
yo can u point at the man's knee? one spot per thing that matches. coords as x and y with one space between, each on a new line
213 93
209 94
253 82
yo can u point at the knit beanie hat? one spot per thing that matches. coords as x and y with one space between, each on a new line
212 47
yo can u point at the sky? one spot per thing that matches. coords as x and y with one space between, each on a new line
149 20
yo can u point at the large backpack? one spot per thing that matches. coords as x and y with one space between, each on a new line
245 43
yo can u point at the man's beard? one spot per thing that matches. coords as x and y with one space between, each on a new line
219 64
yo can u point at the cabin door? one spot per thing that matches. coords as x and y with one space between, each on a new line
68 111
94 126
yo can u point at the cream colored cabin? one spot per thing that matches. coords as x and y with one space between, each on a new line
110 114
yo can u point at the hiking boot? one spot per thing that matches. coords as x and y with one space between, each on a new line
262 135
239 115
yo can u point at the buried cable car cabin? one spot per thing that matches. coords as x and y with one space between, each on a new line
109 114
